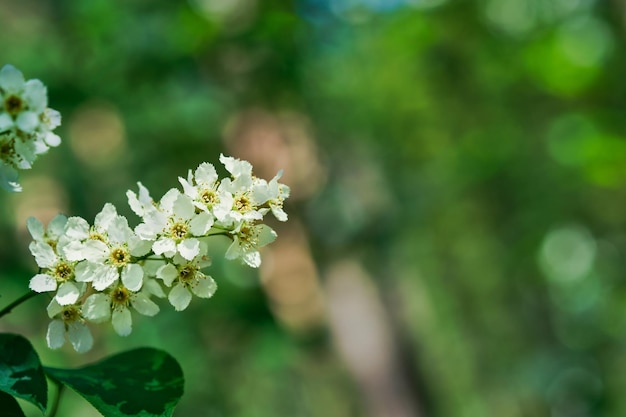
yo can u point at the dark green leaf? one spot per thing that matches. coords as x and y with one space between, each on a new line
143 382
9 406
21 373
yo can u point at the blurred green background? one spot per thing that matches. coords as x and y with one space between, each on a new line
456 240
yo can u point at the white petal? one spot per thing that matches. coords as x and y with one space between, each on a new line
168 273
27 121
118 230
205 287
35 228
179 297
167 201
52 139
36 95
122 321
77 228
97 308
261 192
204 250
151 266
188 189
139 203
183 207
236 167
26 150
43 253
146 231
206 174
6 121
201 223
189 248
56 334
132 277
234 251
39 145
104 276
42 283
53 308
106 216
80 337
165 246
156 220
265 234
83 271
67 294
222 209
151 286
144 305
53 118
95 251
278 212
253 259
139 247
11 79
72 250
56 227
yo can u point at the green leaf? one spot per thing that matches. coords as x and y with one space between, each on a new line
21 373
9 406
142 382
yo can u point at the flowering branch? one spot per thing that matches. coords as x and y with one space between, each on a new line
102 272
26 124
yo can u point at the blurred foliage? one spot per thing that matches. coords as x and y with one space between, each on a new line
471 154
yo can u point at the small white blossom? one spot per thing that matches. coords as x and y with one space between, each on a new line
109 247
114 305
186 278
247 239
68 323
51 235
203 187
57 274
273 194
175 226
26 124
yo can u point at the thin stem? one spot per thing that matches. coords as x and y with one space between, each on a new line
217 234
54 405
17 302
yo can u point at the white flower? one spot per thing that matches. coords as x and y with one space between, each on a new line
109 248
51 235
244 208
22 101
26 124
247 239
273 194
114 305
57 274
186 278
67 323
203 187
175 226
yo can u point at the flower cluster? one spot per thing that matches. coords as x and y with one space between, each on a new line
102 272
26 124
